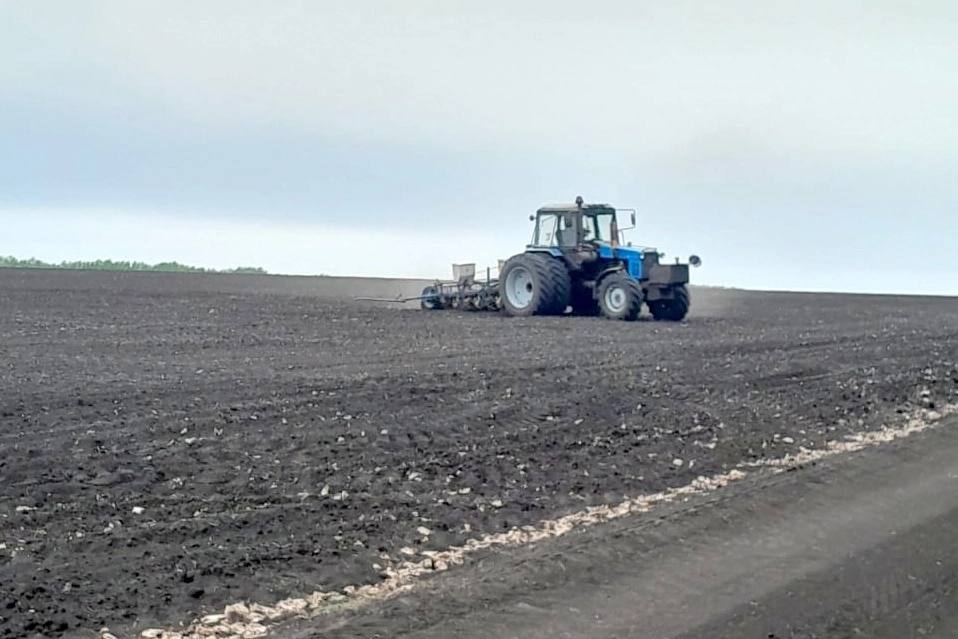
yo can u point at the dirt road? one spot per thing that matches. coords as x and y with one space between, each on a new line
170 444
857 546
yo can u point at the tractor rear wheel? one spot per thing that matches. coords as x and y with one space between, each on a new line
672 310
534 284
620 297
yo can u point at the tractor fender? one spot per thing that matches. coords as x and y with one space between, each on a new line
618 268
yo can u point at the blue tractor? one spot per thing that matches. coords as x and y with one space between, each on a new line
577 259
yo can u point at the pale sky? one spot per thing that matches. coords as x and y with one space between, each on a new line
793 145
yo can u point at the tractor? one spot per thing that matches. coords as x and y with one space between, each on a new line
577 259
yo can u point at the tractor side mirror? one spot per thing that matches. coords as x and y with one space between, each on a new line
633 218
532 218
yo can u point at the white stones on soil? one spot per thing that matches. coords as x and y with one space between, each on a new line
921 421
251 621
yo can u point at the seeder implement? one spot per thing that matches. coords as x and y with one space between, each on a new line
464 292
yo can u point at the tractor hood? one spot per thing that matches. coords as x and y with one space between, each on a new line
643 264
632 257
607 251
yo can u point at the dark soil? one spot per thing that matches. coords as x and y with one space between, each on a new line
279 440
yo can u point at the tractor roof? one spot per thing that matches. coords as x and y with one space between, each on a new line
572 208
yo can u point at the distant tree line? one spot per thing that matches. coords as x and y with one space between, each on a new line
8 261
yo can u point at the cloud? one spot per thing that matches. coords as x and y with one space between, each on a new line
748 131
639 78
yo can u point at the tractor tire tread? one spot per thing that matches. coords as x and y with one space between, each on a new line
553 278
557 285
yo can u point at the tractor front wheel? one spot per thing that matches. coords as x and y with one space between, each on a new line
534 284
620 297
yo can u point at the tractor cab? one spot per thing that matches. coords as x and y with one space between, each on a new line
576 226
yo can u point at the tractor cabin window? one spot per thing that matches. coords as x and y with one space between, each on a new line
556 229
604 226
